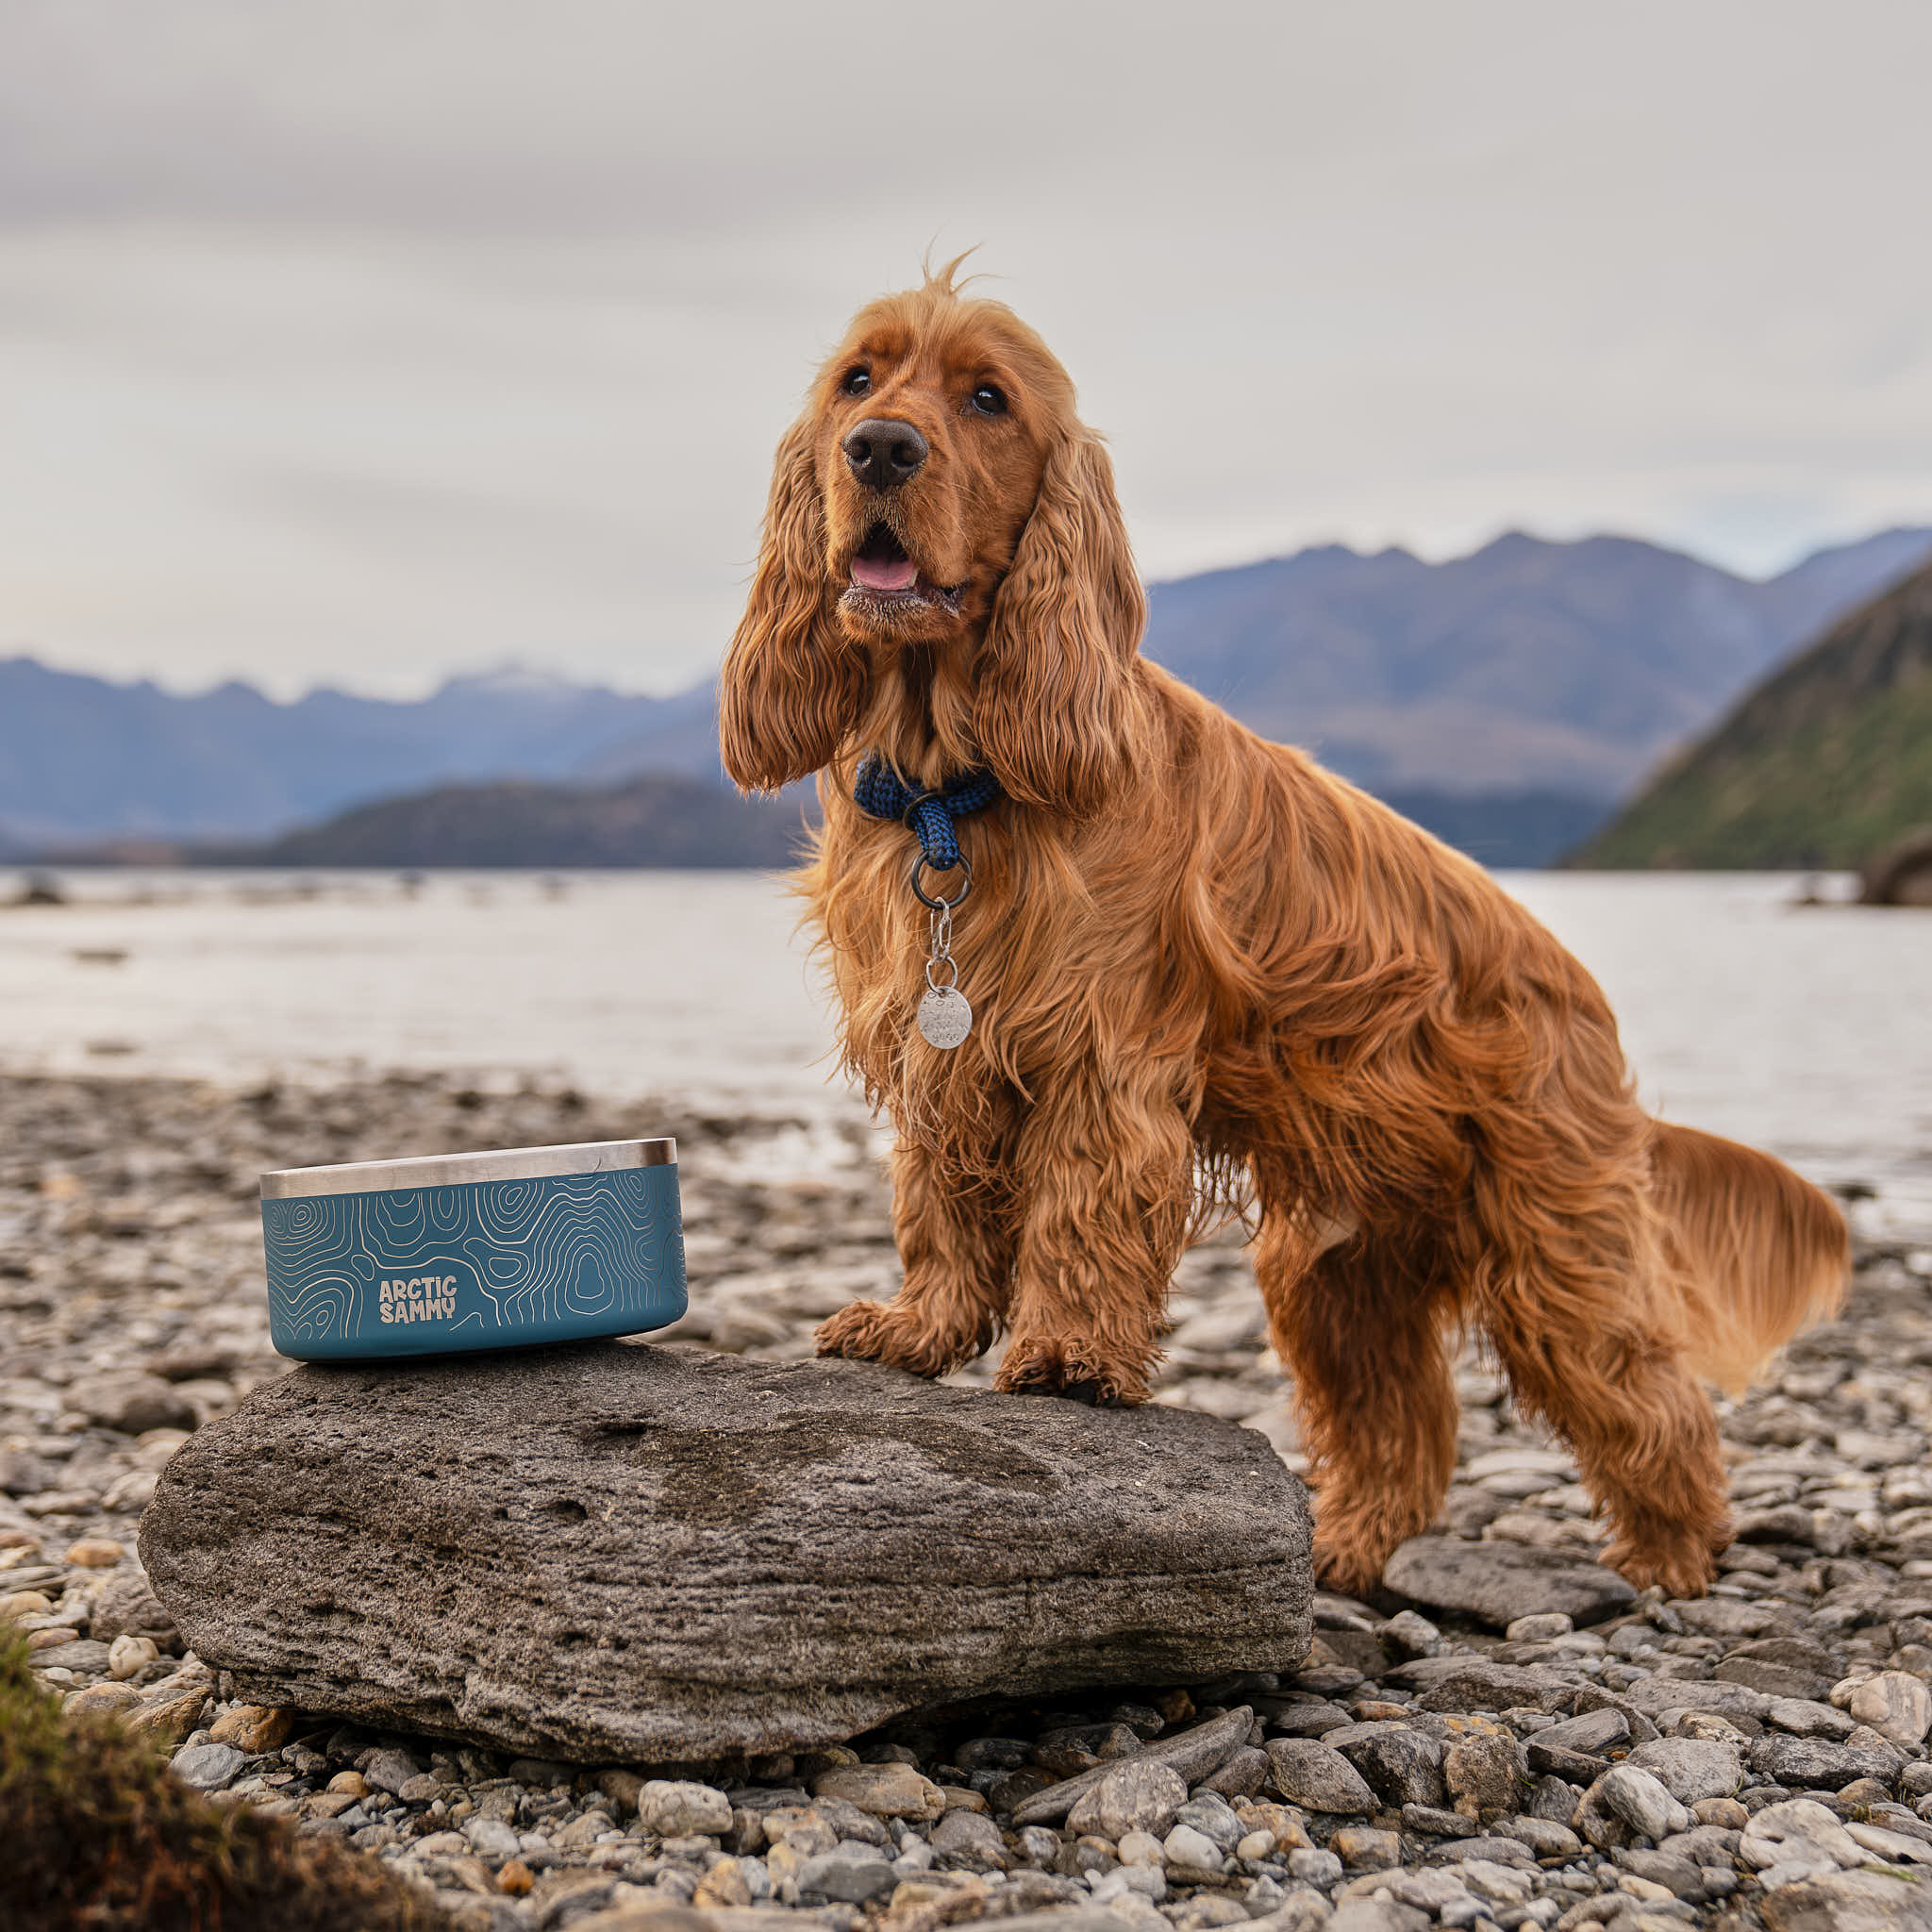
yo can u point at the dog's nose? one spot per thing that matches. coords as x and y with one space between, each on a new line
884 453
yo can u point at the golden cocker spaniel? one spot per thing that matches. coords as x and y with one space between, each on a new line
1202 972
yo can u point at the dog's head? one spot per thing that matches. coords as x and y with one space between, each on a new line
939 501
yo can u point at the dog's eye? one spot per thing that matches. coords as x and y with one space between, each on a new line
990 401
856 382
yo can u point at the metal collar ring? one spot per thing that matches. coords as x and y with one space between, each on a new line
925 898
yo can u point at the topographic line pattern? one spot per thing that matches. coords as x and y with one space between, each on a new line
592 1253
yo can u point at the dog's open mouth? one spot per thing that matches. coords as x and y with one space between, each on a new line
881 569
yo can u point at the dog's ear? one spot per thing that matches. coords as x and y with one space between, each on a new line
790 689
1056 706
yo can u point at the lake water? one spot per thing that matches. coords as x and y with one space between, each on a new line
1808 1031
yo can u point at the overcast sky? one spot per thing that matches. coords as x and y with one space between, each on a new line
366 341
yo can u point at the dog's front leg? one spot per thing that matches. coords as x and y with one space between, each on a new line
954 1223
1106 1163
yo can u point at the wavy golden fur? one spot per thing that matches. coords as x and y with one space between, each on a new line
1204 971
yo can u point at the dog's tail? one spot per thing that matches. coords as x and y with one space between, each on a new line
1759 1252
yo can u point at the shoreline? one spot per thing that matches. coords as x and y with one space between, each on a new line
132 1313
1739 1016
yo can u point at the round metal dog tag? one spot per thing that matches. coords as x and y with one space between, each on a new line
944 1017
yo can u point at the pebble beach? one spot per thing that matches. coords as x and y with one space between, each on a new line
1637 1762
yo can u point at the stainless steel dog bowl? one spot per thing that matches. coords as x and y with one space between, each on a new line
454 1251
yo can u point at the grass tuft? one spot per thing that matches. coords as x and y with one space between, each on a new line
100 1835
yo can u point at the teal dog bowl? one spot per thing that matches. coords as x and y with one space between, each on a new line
465 1251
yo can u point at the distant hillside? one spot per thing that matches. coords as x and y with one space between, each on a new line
1528 665
1528 669
84 758
669 822
661 820
1825 762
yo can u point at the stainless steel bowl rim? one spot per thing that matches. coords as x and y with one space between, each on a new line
460 1170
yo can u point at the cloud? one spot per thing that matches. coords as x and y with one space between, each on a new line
373 340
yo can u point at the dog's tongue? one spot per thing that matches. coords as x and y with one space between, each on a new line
875 574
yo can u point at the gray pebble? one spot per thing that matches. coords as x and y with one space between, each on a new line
1641 1801
1816 1764
390 1771
206 1767
1378 1915
968 1841
1318 1779
674 1807
1192 1850
1037 1845
1314 1867
1130 1796
1544 1837
492 1837
1401 1765
1499 1850
1431 1821
1798 1831
1677 1875
1592 1734
1212 1814
1690 1768
1804 1718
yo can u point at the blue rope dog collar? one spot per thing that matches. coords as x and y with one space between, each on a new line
880 793
945 1018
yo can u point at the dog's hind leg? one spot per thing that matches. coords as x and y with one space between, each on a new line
1363 1334
1580 1316
1108 1163
953 1226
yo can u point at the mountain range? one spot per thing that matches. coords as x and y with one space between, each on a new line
1528 664
81 758
1561 672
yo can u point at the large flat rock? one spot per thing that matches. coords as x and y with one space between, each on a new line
643 1555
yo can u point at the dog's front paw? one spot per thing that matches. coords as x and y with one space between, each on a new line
1052 1368
1347 1565
881 1332
1681 1563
